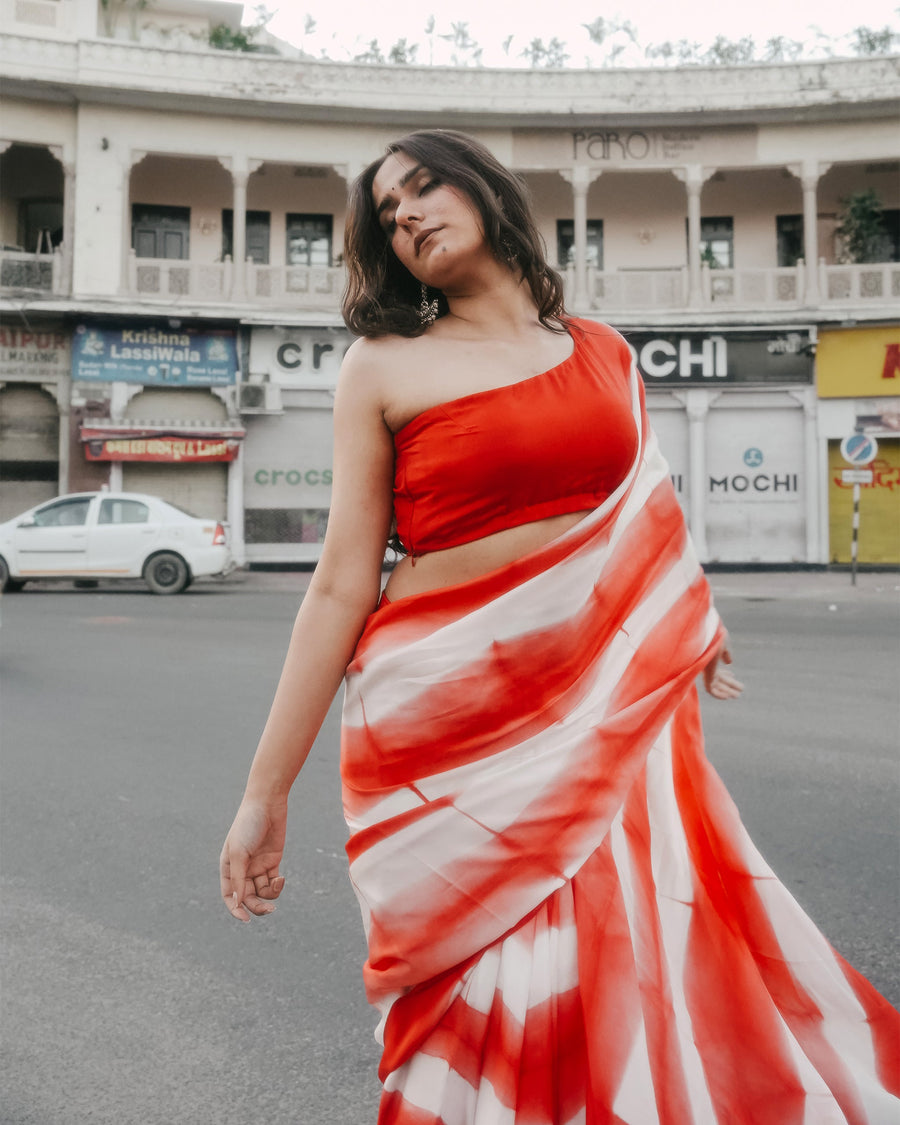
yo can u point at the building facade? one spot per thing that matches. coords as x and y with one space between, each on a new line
170 265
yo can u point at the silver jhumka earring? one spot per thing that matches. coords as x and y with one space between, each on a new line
428 310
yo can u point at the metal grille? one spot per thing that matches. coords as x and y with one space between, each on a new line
285 525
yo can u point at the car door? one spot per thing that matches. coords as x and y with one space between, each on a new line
53 540
121 536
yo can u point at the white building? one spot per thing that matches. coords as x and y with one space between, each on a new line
171 220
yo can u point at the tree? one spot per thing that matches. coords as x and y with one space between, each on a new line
402 53
372 54
874 41
244 39
551 55
862 229
780 49
466 50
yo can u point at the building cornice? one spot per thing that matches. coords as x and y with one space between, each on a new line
247 85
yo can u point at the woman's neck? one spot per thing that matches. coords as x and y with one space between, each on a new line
506 308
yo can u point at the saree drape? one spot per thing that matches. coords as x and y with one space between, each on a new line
566 921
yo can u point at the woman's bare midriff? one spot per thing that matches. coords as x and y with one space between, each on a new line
438 569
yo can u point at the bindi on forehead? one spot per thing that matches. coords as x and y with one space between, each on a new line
387 199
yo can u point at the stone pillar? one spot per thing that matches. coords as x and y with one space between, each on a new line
809 173
241 170
68 244
236 507
239 179
581 177
693 176
130 160
697 403
807 399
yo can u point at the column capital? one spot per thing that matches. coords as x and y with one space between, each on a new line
693 176
808 172
580 176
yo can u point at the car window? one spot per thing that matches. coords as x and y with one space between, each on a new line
123 511
65 513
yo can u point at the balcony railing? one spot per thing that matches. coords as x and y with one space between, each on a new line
42 272
320 287
875 281
312 287
761 288
162 278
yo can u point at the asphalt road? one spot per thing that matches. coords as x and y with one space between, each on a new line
130 997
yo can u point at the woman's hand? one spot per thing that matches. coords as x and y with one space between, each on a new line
719 681
248 866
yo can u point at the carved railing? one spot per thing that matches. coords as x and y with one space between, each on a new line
165 278
21 271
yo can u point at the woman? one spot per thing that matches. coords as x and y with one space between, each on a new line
566 920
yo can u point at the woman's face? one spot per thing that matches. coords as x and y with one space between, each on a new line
434 229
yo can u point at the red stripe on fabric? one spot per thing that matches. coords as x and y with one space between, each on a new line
393 1110
463 905
366 838
609 987
666 1063
884 1023
520 686
738 995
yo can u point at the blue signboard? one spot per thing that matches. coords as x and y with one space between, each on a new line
171 357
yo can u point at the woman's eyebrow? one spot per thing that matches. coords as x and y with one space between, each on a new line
404 180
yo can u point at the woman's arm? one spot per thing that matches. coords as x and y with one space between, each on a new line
343 592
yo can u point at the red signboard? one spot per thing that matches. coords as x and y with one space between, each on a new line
161 449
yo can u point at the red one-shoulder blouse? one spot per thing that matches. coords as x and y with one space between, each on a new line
555 443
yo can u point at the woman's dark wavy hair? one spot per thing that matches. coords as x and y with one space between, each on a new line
382 297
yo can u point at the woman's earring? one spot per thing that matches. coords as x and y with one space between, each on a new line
428 310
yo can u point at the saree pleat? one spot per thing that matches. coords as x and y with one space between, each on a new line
567 923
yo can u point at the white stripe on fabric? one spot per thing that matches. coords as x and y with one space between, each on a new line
429 1084
397 802
845 1025
399 866
672 870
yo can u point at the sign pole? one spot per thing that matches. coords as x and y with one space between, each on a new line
857 449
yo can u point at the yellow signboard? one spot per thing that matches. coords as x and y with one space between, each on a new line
879 506
858 362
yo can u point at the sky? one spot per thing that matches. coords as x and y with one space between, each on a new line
343 28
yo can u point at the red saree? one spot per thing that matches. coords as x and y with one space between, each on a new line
567 922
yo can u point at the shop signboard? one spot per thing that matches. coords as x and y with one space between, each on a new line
693 357
34 354
155 356
298 357
859 362
756 497
168 449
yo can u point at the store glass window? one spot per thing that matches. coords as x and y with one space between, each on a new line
789 239
309 240
565 243
258 223
159 231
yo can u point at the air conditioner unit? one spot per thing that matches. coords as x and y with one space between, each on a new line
260 398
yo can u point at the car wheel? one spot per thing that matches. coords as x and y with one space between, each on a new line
166 574
8 585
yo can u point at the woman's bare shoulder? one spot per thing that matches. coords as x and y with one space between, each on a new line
373 360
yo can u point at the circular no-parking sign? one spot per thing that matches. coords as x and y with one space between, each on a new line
859 449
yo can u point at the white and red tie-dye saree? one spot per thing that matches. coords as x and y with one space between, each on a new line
567 922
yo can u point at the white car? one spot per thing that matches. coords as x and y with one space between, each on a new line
91 535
